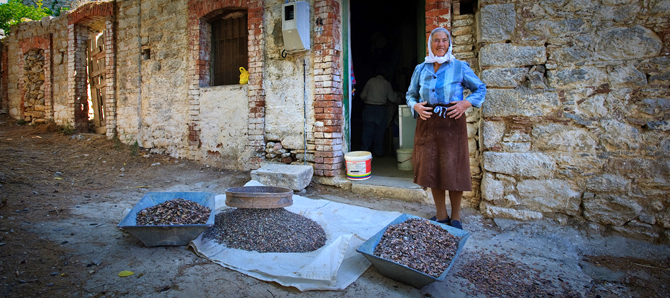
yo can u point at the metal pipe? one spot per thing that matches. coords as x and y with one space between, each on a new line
304 108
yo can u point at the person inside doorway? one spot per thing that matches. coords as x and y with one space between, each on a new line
441 155
376 94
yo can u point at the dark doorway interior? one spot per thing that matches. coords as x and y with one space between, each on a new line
383 36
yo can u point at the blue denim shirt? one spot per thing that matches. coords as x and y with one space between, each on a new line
445 85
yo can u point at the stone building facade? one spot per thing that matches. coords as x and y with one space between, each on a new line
574 127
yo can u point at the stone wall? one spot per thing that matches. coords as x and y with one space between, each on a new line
33 86
575 119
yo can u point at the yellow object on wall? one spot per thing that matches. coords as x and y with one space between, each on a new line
244 76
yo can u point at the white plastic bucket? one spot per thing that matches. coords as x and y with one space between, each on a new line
404 159
359 165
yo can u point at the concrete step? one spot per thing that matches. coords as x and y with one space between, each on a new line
380 187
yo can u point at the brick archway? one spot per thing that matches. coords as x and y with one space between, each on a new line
199 43
99 17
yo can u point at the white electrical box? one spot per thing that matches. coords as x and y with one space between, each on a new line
295 25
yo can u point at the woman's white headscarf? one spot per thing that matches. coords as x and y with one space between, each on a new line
431 56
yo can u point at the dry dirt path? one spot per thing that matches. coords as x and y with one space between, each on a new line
62 196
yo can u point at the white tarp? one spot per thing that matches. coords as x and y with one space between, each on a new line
332 267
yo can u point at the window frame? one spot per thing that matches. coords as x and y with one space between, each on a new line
229 51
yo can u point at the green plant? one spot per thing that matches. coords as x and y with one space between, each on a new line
14 12
21 122
117 144
134 148
66 129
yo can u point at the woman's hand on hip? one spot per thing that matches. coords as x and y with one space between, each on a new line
423 111
458 109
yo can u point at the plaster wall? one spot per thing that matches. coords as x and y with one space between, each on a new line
287 86
155 112
61 106
223 111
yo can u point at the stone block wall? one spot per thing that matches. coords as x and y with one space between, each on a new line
575 119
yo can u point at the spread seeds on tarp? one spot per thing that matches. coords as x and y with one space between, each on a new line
418 244
266 230
174 212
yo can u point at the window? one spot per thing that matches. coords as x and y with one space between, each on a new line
229 48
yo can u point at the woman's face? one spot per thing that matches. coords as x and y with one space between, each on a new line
439 43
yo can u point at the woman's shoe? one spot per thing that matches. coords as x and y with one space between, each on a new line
444 221
456 224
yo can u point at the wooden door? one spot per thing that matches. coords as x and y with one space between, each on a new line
96 80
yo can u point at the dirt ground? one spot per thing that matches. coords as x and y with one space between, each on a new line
62 197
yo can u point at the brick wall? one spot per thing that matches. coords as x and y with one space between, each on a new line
438 14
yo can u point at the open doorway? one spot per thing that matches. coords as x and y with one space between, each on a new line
386 36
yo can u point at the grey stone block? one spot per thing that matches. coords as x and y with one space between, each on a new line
628 43
532 165
552 195
509 55
608 183
519 102
619 136
504 77
577 77
611 209
496 22
295 177
565 138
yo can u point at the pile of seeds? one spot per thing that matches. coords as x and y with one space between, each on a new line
174 212
497 275
266 230
418 244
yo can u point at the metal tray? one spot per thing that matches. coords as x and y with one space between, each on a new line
403 273
168 235
265 197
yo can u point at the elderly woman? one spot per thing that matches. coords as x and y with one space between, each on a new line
441 155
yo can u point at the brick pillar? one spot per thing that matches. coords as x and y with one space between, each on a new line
328 90
48 95
256 92
198 73
71 70
110 75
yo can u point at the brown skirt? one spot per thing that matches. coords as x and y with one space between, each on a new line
441 156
